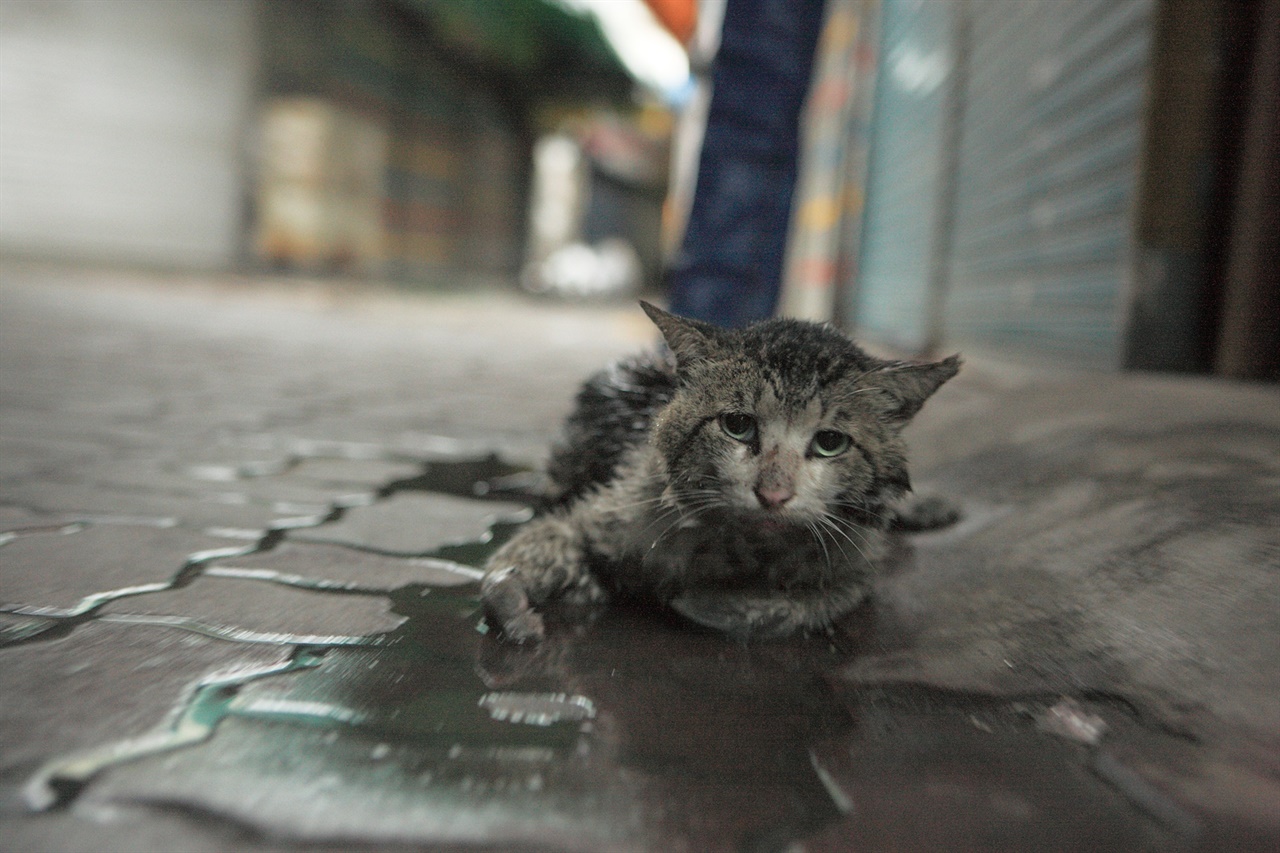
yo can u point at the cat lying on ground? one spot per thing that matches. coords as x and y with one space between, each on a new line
745 478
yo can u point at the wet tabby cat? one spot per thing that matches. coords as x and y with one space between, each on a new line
745 478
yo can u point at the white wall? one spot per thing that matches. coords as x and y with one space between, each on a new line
122 128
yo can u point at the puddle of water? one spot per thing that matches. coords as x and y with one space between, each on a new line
537 709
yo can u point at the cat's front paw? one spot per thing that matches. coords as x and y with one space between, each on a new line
754 616
507 607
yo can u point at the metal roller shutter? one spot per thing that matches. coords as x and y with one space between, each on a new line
1047 173
122 129
905 172
1003 173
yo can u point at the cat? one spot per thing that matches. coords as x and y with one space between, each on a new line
744 478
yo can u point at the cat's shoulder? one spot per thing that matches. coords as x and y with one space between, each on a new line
613 412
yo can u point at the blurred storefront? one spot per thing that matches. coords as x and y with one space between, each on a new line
1089 182
123 129
599 186
386 138
1086 182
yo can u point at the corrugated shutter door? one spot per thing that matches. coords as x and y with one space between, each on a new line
904 172
121 128
1047 174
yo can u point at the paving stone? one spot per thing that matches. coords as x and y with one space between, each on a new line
428 446
348 565
29 456
58 570
268 608
451 435
241 477
403 751
150 475
63 438
214 510
286 497
410 523
330 792
125 826
301 447
100 684
267 488
694 743
15 518
229 464
353 474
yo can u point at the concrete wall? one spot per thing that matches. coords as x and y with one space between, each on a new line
122 128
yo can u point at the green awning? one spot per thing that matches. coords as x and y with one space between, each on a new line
547 45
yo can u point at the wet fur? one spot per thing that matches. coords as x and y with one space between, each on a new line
757 537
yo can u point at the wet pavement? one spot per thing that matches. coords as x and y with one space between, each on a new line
241 522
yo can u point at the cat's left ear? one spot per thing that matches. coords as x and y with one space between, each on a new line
690 340
905 386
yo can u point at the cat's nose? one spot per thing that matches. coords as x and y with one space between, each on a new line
774 498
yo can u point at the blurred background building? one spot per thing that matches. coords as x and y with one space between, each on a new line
387 138
1088 182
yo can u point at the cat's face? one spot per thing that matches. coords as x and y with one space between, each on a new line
786 422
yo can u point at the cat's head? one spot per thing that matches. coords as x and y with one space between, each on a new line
787 421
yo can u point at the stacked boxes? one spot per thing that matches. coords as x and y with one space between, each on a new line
494 204
320 187
423 202
378 158
338 191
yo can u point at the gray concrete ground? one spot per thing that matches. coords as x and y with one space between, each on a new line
238 525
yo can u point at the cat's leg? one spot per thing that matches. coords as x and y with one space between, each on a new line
925 513
770 614
545 560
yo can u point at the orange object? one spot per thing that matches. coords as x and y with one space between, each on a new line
678 16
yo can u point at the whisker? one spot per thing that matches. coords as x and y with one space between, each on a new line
812 527
853 527
660 499
663 499
831 523
883 517
681 520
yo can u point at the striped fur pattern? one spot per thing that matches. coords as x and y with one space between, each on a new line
744 478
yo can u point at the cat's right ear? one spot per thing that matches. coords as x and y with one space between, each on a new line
904 386
690 340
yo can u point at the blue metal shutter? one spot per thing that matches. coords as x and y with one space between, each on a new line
1047 173
905 172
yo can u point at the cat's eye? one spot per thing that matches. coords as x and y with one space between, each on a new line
829 442
738 426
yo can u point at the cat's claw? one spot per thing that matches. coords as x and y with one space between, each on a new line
524 627
507 606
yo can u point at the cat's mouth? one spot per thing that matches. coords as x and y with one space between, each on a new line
773 521
766 520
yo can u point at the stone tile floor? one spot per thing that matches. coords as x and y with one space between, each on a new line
239 525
